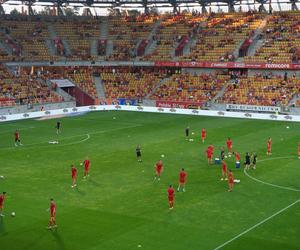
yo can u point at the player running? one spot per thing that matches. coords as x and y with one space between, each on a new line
138 151
17 139
187 132
254 160
209 155
203 135
269 146
52 222
86 165
229 146
171 197
58 125
182 180
230 181
74 175
224 171
247 161
2 198
158 170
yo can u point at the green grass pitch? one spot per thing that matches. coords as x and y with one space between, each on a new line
119 207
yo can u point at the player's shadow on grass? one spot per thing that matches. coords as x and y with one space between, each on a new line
2 226
58 239
94 183
79 191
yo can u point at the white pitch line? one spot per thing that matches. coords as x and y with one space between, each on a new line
68 137
256 225
271 184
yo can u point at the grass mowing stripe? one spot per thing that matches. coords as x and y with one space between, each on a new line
257 225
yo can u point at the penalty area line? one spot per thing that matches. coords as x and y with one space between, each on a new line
257 225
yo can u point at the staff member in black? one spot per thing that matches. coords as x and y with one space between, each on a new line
247 161
138 153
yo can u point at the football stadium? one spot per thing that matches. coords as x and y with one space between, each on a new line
149 124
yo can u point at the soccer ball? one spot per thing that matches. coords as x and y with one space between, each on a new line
162 156
81 164
114 118
13 214
193 133
287 127
191 140
225 156
1 177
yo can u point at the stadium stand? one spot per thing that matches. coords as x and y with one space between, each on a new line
261 90
281 40
23 89
191 87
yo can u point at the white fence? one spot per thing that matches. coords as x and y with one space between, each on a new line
214 113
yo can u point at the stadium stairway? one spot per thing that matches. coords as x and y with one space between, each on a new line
94 52
257 41
50 46
103 29
67 47
152 44
5 48
161 82
99 87
220 93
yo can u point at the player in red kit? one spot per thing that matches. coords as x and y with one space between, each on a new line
158 170
299 150
224 171
230 181
52 222
269 146
203 134
17 139
237 156
86 165
74 175
2 198
229 146
209 155
171 197
182 180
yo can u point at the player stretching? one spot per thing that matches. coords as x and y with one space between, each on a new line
182 179
17 139
52 222
254 160
224 171
187 132
158 170
58 125
2 198
138 151
209 154
269 146
229 146
203 135
74 175
86 165
247 161
230 180
171 197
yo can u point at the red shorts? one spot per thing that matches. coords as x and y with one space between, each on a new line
171 198
269 149
209 157
224 170
86 168
231 181
158 172
73 176
182 182
52 215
